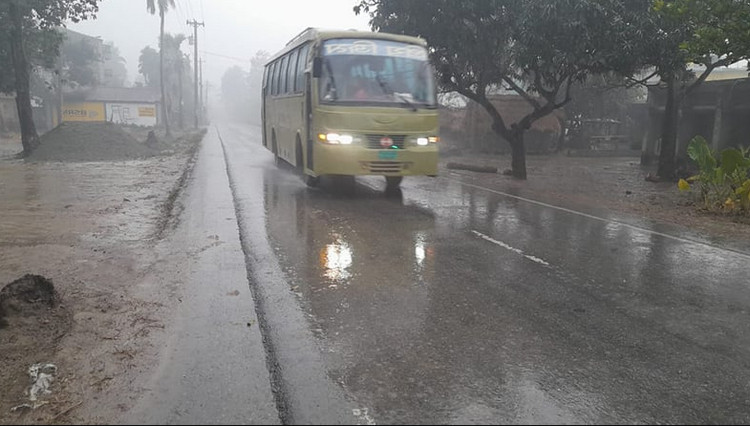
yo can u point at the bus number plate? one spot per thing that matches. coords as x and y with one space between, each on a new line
387 155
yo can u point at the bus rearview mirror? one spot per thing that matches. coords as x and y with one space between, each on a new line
317 67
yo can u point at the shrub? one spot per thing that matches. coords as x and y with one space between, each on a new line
723 178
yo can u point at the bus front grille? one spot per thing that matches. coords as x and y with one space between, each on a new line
373 141
384 166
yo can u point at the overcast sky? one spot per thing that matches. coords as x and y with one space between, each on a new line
235 29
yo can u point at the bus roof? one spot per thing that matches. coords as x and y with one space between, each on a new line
318 34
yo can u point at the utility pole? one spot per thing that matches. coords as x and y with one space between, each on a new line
181 72
60 99
195 25
208 85
201 86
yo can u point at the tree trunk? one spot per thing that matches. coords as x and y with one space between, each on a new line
29 136
667 163
161 76
518 155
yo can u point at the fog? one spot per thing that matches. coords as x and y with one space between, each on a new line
234 29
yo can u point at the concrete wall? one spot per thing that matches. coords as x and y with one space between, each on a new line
8 115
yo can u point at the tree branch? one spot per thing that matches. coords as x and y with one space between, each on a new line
635 82
524 94
539 87
498 124
709 69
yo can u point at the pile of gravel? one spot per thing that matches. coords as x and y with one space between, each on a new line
90 142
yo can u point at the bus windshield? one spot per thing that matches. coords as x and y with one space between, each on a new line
376 73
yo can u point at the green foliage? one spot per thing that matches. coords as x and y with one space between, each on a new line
723 179
177 71
79 58
42 49
148 65
537 48
159 5
174 60
709 30
677 34
42 40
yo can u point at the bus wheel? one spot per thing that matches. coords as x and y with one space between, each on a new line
300 161
393 181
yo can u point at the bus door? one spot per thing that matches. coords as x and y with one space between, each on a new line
307 122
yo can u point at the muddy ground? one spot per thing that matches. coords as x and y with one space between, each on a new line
95 230
99 232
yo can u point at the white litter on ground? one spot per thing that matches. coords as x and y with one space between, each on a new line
42 376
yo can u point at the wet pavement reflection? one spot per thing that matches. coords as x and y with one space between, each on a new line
423 321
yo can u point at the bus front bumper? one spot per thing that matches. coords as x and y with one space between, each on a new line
353 160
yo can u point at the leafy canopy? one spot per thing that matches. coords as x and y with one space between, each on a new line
40 18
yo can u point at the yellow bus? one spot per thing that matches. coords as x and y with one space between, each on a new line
352 103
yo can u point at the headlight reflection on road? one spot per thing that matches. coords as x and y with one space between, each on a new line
336 259
419 249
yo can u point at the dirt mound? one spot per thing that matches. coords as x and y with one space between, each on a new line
90 142
32 319
24 296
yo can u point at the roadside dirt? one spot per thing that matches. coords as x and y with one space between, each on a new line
92 228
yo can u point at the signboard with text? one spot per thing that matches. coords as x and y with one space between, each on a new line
84 111
132 114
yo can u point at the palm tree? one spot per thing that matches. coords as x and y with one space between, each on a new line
163 6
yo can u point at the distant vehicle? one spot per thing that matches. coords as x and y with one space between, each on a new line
597 134
352 103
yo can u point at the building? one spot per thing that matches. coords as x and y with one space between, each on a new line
718 110
136 106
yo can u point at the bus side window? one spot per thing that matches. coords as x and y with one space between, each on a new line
279 71
274 74
291 76
301 65
282 75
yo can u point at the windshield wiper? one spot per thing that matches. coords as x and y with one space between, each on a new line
406 101
387 91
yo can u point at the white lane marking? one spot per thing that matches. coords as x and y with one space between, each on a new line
616 222
511 248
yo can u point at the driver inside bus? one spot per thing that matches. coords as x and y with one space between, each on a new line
359 89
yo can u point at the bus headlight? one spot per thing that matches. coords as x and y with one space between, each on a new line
424 141
336 139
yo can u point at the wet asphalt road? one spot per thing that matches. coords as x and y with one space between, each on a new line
454 303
